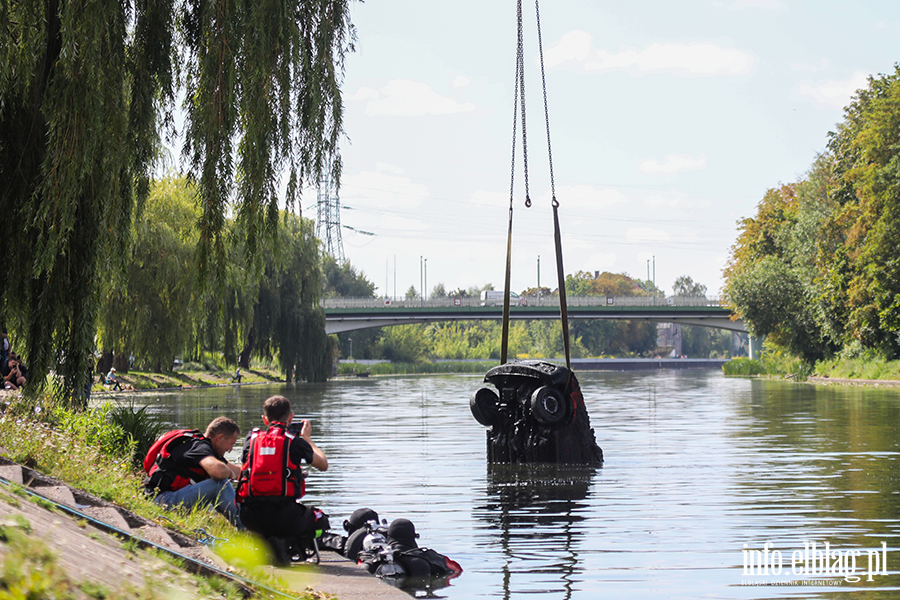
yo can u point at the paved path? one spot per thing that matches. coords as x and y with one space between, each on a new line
86 553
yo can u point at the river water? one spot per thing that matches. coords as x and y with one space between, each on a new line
703 473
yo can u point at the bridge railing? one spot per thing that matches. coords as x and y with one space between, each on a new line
387 303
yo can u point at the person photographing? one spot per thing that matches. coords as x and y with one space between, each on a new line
272 483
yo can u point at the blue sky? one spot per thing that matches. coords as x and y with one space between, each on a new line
669 121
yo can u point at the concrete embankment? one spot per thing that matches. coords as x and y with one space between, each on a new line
645 364
94 541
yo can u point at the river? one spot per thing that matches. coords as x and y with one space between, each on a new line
703 475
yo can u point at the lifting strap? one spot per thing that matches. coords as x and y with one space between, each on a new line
557 238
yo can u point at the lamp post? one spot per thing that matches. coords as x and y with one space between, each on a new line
539 279
421 281
351 348
425 285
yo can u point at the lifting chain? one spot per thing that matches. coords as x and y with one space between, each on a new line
519 104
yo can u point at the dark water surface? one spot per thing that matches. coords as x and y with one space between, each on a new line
701 473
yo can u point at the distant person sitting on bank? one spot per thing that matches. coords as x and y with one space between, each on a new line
13 379
112 380
187 468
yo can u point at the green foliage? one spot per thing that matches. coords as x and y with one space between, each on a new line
87 88
398 368
606 284
818 268
140 427
476 339
743 367
705 342
149 308
856 362
685 286
405 343
99 428
438 291
287 318
343 281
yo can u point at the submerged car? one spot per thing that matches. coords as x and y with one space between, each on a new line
537 415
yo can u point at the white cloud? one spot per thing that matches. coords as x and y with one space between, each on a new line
405 98
461 81
575 52
831 93
770 4
673 163
642 235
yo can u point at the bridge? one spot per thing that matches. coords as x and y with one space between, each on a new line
351 314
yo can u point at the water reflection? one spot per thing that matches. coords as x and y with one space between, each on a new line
536 509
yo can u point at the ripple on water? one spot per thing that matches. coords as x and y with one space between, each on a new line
697 466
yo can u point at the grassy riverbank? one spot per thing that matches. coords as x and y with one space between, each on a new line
777 363
189 375
197 375
425 367
89 451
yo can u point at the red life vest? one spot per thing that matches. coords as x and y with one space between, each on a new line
269 470
163 471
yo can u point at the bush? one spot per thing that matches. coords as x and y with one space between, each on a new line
140 427
743 367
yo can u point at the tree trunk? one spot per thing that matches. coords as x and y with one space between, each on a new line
244 360
120 362
105 362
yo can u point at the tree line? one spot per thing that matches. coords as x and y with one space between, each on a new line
157 307
817 269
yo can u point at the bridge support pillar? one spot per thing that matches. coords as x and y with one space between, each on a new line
755 346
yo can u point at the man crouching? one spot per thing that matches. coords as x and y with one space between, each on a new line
272 480
187 468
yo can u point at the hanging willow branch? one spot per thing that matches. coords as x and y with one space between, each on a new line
86 86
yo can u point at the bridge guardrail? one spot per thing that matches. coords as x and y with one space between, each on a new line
552 301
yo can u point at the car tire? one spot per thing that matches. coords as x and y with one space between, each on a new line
484 406
549 407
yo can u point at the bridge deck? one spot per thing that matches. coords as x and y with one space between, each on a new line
349 315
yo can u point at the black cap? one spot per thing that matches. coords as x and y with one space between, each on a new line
403 532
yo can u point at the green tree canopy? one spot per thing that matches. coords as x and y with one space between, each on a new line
149 308
685 286
828 245
86 88
343 280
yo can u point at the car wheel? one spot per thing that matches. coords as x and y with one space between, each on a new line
483 404
548 406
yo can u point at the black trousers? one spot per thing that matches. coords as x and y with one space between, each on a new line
281 518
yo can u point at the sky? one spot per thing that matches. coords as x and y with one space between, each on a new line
669 121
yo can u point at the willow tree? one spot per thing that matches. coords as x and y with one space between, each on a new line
88 87
286 321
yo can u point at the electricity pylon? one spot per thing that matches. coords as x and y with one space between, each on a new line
328 219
